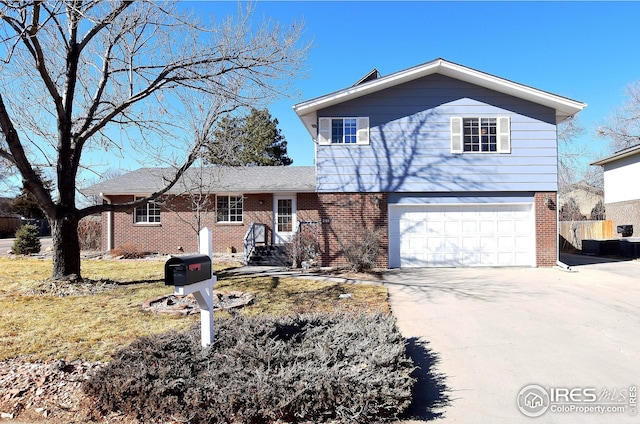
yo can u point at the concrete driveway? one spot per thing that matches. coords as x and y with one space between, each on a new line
482 335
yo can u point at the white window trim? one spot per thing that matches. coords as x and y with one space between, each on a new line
503 134
147 214
228 196
362 130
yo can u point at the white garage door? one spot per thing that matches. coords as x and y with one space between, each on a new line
461 235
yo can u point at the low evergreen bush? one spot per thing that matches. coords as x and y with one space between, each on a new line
27 240
344 368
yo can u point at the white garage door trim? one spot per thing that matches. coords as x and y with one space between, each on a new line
461 235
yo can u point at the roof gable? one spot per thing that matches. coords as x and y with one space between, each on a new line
564 107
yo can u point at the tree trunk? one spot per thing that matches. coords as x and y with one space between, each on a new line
66 246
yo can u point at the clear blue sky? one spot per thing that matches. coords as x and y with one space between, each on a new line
587 51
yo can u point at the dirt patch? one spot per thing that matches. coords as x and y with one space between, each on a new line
71 288
187 305
38 392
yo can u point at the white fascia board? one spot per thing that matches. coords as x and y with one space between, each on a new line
563 106
633 150
354 92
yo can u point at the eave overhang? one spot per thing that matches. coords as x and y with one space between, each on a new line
630 151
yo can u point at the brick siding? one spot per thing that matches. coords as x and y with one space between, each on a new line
176 233
546 229
342 218
624 213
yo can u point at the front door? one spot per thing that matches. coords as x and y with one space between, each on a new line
284 221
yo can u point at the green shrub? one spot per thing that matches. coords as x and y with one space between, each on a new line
343 368
27 240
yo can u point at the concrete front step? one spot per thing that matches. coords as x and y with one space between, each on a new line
269 256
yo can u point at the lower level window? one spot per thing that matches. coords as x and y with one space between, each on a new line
148 213
480 134
229 208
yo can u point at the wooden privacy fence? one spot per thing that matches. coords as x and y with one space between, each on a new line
573 232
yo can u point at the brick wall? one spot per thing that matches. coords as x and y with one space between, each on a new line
344 216
624 213
176 233
546 229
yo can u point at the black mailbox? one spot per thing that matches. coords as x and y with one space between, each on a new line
185 270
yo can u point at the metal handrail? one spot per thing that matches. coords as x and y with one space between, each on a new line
251 238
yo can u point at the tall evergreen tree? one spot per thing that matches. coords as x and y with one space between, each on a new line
253 140
26 203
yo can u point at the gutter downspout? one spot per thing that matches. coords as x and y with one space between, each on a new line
109 224
561 265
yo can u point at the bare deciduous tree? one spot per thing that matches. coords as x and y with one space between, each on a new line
622 129
573 163
569 154
195 195
138 79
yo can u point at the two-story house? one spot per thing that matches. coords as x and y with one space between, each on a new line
443 164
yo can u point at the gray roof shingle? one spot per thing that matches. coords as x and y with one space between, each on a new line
246 179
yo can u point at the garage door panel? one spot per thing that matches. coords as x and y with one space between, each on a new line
435 227
522 243
452 244
505 259
463 235
470 227
487 226
469 258
505 227
453 227
489 243
507 244
521 227
488 259
417 243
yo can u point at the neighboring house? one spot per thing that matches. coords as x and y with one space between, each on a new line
448 165
9 221
621 190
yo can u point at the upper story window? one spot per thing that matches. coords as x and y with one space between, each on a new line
478 135
148 213
351 130
343 130
229 208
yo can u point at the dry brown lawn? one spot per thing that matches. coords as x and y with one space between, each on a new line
43 327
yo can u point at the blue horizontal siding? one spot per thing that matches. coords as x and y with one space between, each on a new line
413 183
409 148
368 164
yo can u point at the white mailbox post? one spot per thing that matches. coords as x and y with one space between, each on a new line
194 269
